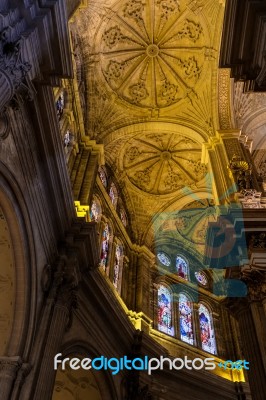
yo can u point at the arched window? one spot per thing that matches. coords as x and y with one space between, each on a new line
103 176
206 330
165 323
60 103
95 210
185 319
182 267
118 266
164 259
123 216
201 278
113 194
105 246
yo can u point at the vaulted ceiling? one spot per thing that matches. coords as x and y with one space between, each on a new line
151 72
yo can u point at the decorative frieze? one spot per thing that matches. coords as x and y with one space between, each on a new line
250 198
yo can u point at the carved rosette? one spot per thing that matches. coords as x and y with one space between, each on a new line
162 163
152 52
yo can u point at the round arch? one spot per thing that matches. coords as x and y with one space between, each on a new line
16 215
100 384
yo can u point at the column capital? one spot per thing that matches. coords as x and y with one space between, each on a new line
255 278
61 281
13 70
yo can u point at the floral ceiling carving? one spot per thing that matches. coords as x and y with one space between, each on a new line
162 163
153 52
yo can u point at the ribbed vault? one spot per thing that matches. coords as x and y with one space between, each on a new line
151 68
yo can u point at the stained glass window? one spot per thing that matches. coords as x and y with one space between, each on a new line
165 323
113 194
164 259
206 330
117 266
182 267
105 246
103 177
95 210
60 102
201 278
185 319
123 216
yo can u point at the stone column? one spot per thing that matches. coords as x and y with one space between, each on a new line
9 367
21 376
64 292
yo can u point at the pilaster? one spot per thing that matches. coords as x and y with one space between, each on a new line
63 295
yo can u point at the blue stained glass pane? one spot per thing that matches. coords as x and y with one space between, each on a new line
95 211
182 267
201 278
113 194
165 311
118 255
103 177
206 330
185 319
105 246
164 259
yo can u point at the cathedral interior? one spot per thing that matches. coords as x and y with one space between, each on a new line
132 197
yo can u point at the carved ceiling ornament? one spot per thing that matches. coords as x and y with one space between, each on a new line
255 278
162 163
152 51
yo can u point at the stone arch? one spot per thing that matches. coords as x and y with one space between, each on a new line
16 216
96 386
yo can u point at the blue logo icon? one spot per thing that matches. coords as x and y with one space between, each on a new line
238 365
